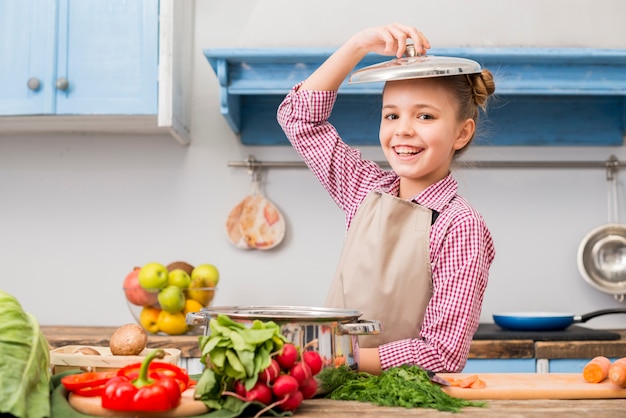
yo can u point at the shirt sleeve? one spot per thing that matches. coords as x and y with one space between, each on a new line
452 317
303 116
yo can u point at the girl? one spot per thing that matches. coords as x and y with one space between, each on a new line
416 255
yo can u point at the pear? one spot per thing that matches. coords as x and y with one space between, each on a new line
202 277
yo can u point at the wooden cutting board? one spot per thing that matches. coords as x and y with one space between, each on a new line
534 386
92 405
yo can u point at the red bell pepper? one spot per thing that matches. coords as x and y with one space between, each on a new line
156 370
143 393
87 384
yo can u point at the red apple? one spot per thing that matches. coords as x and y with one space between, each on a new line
136 294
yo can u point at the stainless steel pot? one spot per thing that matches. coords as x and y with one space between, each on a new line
331 332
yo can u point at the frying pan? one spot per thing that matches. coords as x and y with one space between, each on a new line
545 321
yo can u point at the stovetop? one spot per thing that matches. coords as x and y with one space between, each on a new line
571 333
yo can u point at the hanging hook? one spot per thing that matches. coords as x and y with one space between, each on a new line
612 165
254 169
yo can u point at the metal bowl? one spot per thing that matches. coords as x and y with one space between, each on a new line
602 259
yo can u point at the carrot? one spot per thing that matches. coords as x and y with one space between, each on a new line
597 369
617 372
472 382
467 381
478 384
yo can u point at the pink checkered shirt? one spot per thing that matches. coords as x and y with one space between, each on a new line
461 247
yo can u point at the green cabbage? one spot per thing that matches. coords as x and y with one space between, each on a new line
24 362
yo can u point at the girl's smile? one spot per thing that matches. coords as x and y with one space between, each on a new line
404 151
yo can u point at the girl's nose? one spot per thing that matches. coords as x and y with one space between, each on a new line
404 128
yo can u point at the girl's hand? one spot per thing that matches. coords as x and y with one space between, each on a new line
390 40
383 40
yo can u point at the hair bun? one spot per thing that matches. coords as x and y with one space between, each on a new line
483 86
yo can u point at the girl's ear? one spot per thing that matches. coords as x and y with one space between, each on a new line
466 133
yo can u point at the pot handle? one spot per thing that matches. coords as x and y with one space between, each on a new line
586 317
362 327
197 319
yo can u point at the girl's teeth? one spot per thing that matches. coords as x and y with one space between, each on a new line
405 151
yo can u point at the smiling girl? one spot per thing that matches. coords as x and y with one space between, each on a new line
416 255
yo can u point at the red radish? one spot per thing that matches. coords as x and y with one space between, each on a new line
270 373
260 392
288 402
240 389
288 356
291 401
313 360
300 371
308 388
284 385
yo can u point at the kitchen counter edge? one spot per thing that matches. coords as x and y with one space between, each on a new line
59 336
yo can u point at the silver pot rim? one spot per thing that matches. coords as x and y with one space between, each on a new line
284 313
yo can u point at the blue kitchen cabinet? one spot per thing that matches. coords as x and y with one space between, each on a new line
73 57
26 53
570 365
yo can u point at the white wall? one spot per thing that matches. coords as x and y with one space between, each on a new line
78 212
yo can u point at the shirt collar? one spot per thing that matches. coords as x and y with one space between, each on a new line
438 195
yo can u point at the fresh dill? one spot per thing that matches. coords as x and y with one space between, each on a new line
405 386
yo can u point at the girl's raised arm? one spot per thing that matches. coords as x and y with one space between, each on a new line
383 40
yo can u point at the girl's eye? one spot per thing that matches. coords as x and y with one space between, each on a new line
425 117
390 116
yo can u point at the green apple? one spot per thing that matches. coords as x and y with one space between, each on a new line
153 277
179 278
205 275
172 299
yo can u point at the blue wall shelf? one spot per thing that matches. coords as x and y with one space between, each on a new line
544 96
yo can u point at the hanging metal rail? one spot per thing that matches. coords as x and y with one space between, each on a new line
611 165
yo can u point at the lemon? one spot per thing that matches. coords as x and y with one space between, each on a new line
192 306
148 318
172 323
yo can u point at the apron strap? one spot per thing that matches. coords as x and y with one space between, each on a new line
434 217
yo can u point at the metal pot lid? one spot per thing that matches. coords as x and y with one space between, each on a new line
284 313
602 258
411 66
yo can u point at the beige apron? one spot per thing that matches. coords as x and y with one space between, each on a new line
384 270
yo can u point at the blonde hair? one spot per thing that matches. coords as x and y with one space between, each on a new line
472 92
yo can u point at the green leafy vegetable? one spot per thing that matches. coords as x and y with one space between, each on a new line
405 386
232 351
24 362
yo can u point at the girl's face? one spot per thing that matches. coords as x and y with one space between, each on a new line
420 131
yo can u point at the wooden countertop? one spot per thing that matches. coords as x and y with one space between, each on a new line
484 349
59 336
606 408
